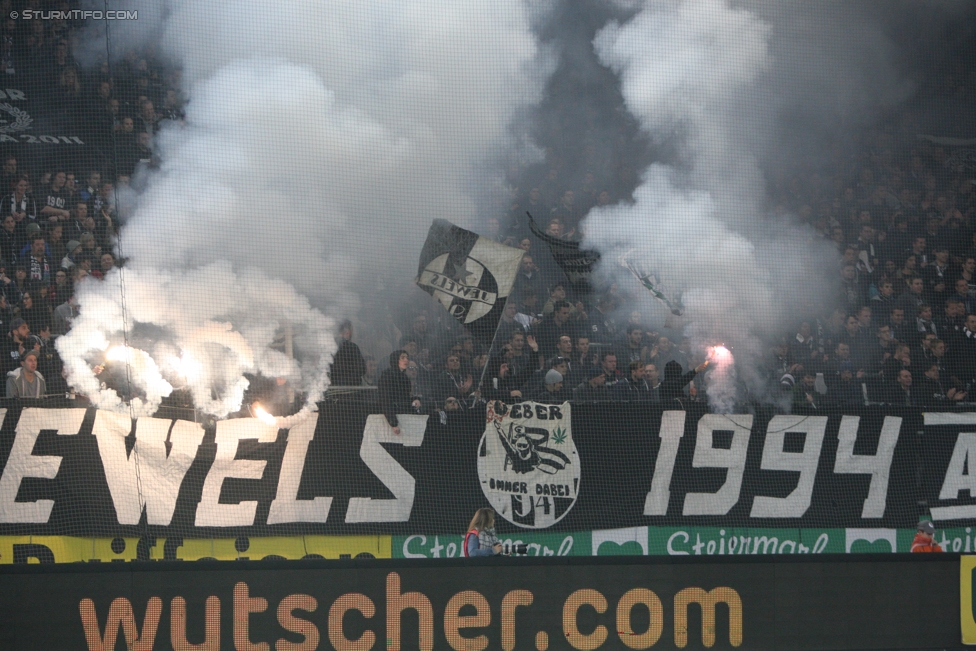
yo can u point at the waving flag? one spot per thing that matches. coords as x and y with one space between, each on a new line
470 275
649 281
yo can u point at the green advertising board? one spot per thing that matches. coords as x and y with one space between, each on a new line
693 541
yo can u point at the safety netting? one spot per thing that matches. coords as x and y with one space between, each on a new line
317 279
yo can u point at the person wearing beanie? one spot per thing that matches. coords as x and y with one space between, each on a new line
553 392
673 386
925 538
68 260
26 382
553 377
537 382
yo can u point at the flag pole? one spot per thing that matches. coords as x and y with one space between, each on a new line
491 349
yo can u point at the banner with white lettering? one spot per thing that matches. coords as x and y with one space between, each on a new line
560 468
35 126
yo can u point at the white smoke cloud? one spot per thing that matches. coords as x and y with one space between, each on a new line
200 330
702 74
321 139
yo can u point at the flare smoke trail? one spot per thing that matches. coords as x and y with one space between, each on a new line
320 140
680 64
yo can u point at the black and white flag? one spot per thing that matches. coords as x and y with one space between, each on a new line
470 275
576 263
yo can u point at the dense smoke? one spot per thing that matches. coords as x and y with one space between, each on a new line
717 82
322 138
681 67
180 333
320 141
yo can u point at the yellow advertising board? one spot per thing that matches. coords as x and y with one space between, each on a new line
70 549
967 617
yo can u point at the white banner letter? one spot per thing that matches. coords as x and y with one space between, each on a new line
775 457
386 468
147 477
21 463
707 456
210 513
877 465
286 506
672 429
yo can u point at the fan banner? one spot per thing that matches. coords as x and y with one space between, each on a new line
471 276
528 464
686 476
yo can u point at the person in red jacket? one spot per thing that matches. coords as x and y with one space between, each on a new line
924 539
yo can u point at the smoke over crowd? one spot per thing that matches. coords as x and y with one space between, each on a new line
321 139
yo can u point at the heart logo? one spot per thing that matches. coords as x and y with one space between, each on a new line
880 546
610 548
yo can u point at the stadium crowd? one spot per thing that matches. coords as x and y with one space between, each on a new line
60 212
901 327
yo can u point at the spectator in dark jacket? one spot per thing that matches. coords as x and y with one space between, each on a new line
903 393
594 389
608 364
673 386
882 303
932 393
911 299
19 203
536 383
844 391
963 352
653 379
452 382
553 392
634 388
394 390
806 400
11 240
348 367
548 332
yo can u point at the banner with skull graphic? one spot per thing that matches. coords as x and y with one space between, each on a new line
528 464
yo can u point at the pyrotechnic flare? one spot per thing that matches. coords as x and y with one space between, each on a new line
262 415
721 381
719 353
296 149
221 339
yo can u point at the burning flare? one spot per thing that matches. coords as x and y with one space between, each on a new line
204 347
721 382
262 415
719 354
